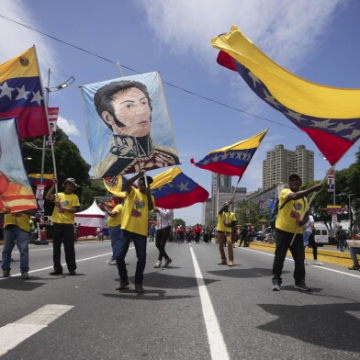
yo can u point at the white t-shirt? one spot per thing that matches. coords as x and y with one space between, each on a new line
307 226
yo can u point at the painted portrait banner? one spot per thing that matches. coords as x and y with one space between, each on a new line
128 125
16 194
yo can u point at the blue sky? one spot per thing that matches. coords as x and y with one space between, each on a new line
317 40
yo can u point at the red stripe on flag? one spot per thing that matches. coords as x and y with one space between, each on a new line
224 169
331 146
31 121
178 201
226 60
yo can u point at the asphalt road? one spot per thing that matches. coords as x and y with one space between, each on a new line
194 309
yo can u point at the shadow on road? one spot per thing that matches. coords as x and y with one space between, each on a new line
244 273
332 326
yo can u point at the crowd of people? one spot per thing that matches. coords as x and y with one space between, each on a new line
128 221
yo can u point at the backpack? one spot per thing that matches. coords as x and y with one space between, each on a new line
275 212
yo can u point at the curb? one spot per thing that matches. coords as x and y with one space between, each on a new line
326 256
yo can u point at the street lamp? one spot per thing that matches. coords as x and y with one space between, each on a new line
49 89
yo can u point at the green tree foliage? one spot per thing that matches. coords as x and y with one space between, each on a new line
91 191
69 162
177 222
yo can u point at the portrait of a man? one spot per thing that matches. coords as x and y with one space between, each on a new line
126 109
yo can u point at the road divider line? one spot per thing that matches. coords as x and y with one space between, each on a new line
11 335
217 345
63 264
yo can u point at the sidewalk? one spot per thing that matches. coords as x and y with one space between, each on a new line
326 254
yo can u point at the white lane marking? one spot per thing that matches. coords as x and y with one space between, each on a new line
63 264
216 341
318 267
11 335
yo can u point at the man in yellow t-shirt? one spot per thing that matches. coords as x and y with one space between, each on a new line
292 206
16 227
226 223
134 226
66 205
114 224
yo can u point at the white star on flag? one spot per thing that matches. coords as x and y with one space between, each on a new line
38 97
6 90
22 93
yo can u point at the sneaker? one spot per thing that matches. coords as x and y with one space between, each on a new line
230 263
6 273
112 262
123 284
25 275
55 272
167 262
276 286
317 262
72 272
302 286
138 288
354 268
157 264
222 262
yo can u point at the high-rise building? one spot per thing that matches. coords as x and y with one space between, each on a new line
280 163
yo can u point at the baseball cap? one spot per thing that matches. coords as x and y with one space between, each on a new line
295 176
72 180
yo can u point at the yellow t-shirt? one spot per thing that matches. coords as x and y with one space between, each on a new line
66 201
22 221
135 212
225 218
292 210
116 220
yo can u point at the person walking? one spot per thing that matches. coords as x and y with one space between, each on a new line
309 239
114 224
135 227
225 225
66 205
164 219
292 206
16 227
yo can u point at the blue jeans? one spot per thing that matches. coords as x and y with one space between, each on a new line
115 236
12 233
306 235
140 243
353 252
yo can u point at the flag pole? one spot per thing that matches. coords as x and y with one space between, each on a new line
47 122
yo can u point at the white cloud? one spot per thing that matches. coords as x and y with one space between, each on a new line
287 31
68 126
15 39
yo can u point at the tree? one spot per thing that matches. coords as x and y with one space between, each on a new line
69 162
178 222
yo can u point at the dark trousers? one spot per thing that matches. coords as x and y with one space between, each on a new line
283 240
197 237
314 246
140 242
162 236
64 233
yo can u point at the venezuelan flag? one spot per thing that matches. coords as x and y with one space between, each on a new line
35 179
330 116
21 94
172 189
115 185
231 160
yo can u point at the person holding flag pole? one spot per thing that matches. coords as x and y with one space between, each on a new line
288 231
135 227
